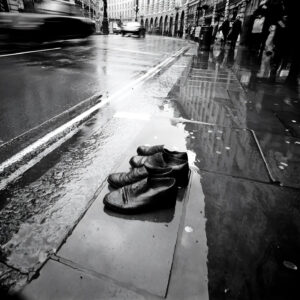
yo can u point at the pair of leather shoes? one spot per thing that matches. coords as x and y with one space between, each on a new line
151 183
150 150
118 180
161 164
177 161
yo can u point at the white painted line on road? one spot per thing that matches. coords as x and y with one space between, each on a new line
27 52
13 176
70 127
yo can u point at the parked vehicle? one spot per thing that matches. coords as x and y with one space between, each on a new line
116 28
134 28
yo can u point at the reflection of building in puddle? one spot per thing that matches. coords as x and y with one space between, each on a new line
205 103
205 96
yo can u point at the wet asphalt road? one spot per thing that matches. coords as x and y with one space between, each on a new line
35 87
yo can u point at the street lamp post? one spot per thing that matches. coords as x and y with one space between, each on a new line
105 19
198 12
136 9
214 12
226 9
89 8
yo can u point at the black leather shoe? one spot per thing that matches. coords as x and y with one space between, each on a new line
118 180
139 160
180 167
149 150
144 195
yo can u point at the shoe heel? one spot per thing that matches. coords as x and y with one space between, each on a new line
182 176
169 199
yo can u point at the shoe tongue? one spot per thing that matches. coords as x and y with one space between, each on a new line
156 170
169 158
134 189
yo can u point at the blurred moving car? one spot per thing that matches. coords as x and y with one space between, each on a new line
32 27
133 28
116 28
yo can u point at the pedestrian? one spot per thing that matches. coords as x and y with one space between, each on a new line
268 13
267 55
293 25
234 32
225 27
192 33
280 47
215 30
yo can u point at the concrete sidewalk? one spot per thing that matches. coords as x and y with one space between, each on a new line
234 233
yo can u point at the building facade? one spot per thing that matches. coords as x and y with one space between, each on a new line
123 10
11 5
164 17
211 11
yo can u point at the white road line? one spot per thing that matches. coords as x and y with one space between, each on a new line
27 52
72 125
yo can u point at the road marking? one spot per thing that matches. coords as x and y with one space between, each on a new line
27 52
41 147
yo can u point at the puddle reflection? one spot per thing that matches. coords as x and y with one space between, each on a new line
157 216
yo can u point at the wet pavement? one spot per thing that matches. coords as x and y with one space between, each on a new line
234 232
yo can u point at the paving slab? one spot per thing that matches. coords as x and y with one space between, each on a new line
189 278
253 238
136 250
282 154
253 114
60 282
226 150
291 121
275 101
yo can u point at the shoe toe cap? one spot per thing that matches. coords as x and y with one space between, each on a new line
114 180
136 161
114 199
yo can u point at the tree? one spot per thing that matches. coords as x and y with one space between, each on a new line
105 19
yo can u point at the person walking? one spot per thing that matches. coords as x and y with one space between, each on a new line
225 27
280 50
293 25
234 32
268 13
